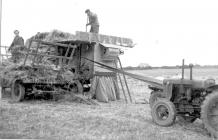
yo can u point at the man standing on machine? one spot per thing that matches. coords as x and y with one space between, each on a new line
92 21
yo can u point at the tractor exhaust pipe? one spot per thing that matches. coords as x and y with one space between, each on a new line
190 66
183 63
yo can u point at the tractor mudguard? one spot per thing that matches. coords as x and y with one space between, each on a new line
212 88
168 87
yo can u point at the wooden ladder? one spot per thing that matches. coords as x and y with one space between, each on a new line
125 81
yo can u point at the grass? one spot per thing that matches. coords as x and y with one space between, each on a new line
115 120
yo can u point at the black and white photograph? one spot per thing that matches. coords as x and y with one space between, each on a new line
109 69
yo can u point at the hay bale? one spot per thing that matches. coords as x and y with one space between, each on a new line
56 35
53 36
41 73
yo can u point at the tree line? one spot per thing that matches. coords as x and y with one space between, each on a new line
168 67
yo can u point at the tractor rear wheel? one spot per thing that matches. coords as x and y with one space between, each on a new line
17 91
209 113
154 97
163 112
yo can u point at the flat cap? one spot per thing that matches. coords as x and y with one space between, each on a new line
87 10
16 31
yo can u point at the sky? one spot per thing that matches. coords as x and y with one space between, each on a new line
164 31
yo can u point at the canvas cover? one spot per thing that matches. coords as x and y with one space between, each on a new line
105 88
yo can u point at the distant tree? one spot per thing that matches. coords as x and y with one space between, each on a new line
144 66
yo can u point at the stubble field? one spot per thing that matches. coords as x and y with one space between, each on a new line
114 120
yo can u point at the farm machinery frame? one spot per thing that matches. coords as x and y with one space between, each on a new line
51 66
35 77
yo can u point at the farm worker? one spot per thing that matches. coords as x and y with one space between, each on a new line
15 46
92 21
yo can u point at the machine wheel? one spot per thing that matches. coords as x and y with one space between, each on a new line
79 87
209 113
163 112
17 91
154 97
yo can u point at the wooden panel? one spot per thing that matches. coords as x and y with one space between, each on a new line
92 37
54 43
98 51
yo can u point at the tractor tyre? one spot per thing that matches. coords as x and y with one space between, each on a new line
17 91
209 113
155 95
163 112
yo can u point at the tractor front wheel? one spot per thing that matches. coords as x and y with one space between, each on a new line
209 113
163 112
17 91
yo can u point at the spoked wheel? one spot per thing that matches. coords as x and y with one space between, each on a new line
163 112
17 91
155 95
209 113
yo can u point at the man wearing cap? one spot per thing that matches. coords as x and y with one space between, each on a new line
17 43
92 21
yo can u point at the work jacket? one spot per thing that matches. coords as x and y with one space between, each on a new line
18 40
93 19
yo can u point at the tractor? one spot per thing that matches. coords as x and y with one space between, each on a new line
186 100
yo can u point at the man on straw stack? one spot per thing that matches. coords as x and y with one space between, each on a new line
16 45
92 20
